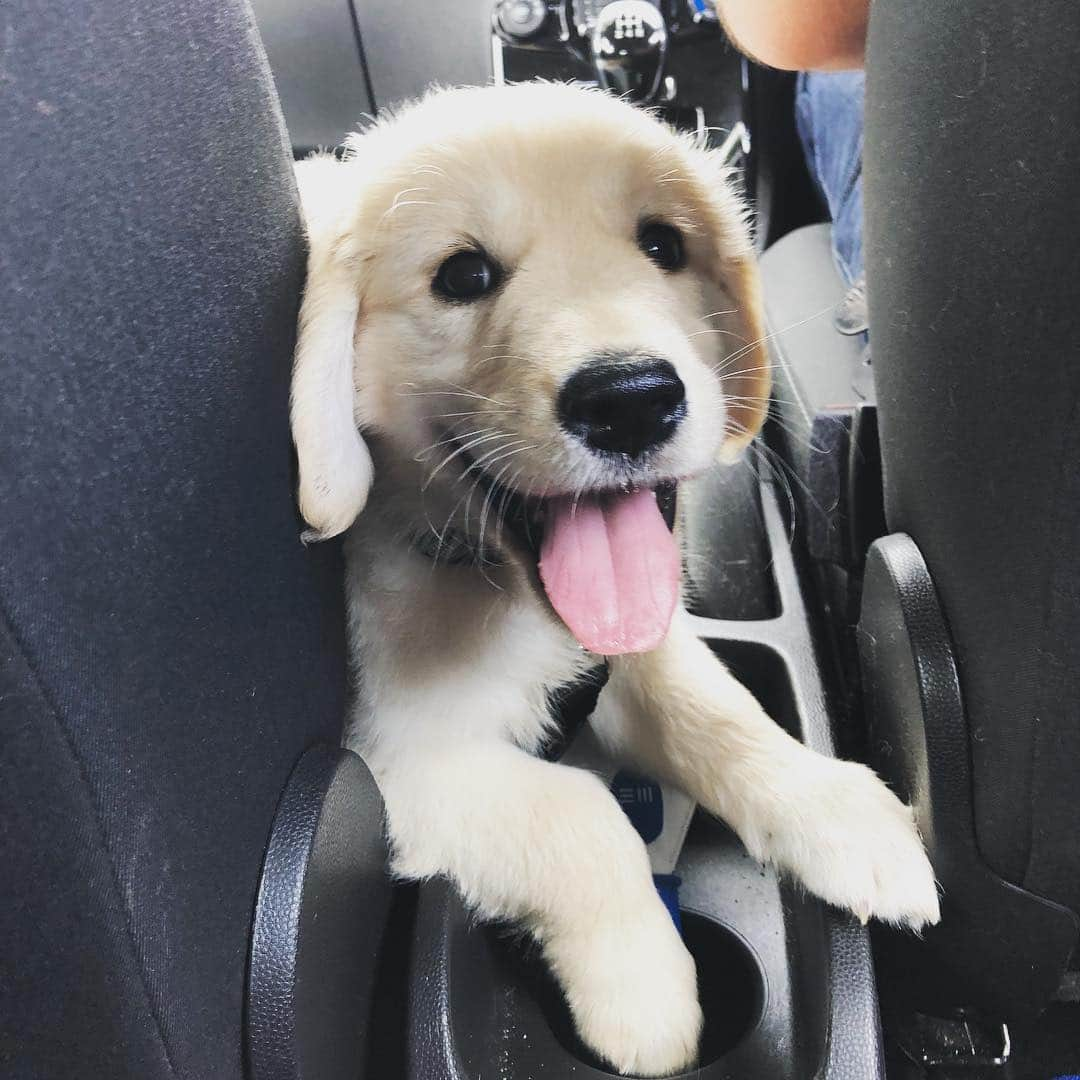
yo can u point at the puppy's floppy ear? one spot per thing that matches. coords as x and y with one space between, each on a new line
747 372
335 464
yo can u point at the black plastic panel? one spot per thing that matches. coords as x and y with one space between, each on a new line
998 947
315 56
727 554
784 195
411 45
319 924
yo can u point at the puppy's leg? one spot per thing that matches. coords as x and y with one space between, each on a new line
548 846
832 824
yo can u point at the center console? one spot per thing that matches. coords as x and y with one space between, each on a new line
786 983
671 55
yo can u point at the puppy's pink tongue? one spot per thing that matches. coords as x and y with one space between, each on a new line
611 569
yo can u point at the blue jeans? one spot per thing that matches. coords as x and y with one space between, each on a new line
829 116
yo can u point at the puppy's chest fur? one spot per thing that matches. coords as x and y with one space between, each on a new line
454 647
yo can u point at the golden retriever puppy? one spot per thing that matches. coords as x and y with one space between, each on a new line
531 316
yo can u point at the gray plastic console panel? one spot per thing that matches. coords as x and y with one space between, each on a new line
413 44
317 65
819 369
335 61
823 404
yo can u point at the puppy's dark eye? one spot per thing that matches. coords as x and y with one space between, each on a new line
467 275
663 244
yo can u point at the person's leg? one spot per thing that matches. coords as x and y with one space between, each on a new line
829 115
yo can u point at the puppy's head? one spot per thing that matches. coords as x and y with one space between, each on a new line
540 287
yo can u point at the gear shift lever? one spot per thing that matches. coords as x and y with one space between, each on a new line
629 43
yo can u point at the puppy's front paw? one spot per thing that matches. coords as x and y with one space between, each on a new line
854 844
632 990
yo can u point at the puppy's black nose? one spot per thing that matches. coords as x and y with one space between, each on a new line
625 406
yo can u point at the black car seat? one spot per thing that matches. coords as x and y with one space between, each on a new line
971 609
168 648
969 697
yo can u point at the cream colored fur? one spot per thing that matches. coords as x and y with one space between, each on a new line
456 662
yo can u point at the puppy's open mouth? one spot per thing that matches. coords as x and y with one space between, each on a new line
608 560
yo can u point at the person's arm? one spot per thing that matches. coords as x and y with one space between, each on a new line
800 35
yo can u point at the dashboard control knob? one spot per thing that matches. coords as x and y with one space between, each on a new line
629 43
520 19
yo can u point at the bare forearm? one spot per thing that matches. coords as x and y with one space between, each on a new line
799 34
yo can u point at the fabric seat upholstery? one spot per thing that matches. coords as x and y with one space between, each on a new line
168 646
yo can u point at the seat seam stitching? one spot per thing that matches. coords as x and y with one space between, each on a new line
53 711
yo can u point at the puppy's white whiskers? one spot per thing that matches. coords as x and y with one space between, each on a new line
481 473
458 391
503 356
451 439
717 330
494 486
751 399
434 170
479 462
486 505
776 333
482 397
507 450
508 490
464 448
719 370
400 201
438 393
577 498
407 202
543 496
469 412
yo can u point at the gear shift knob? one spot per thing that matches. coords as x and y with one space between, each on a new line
629 43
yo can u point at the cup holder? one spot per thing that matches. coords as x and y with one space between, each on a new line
731 988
